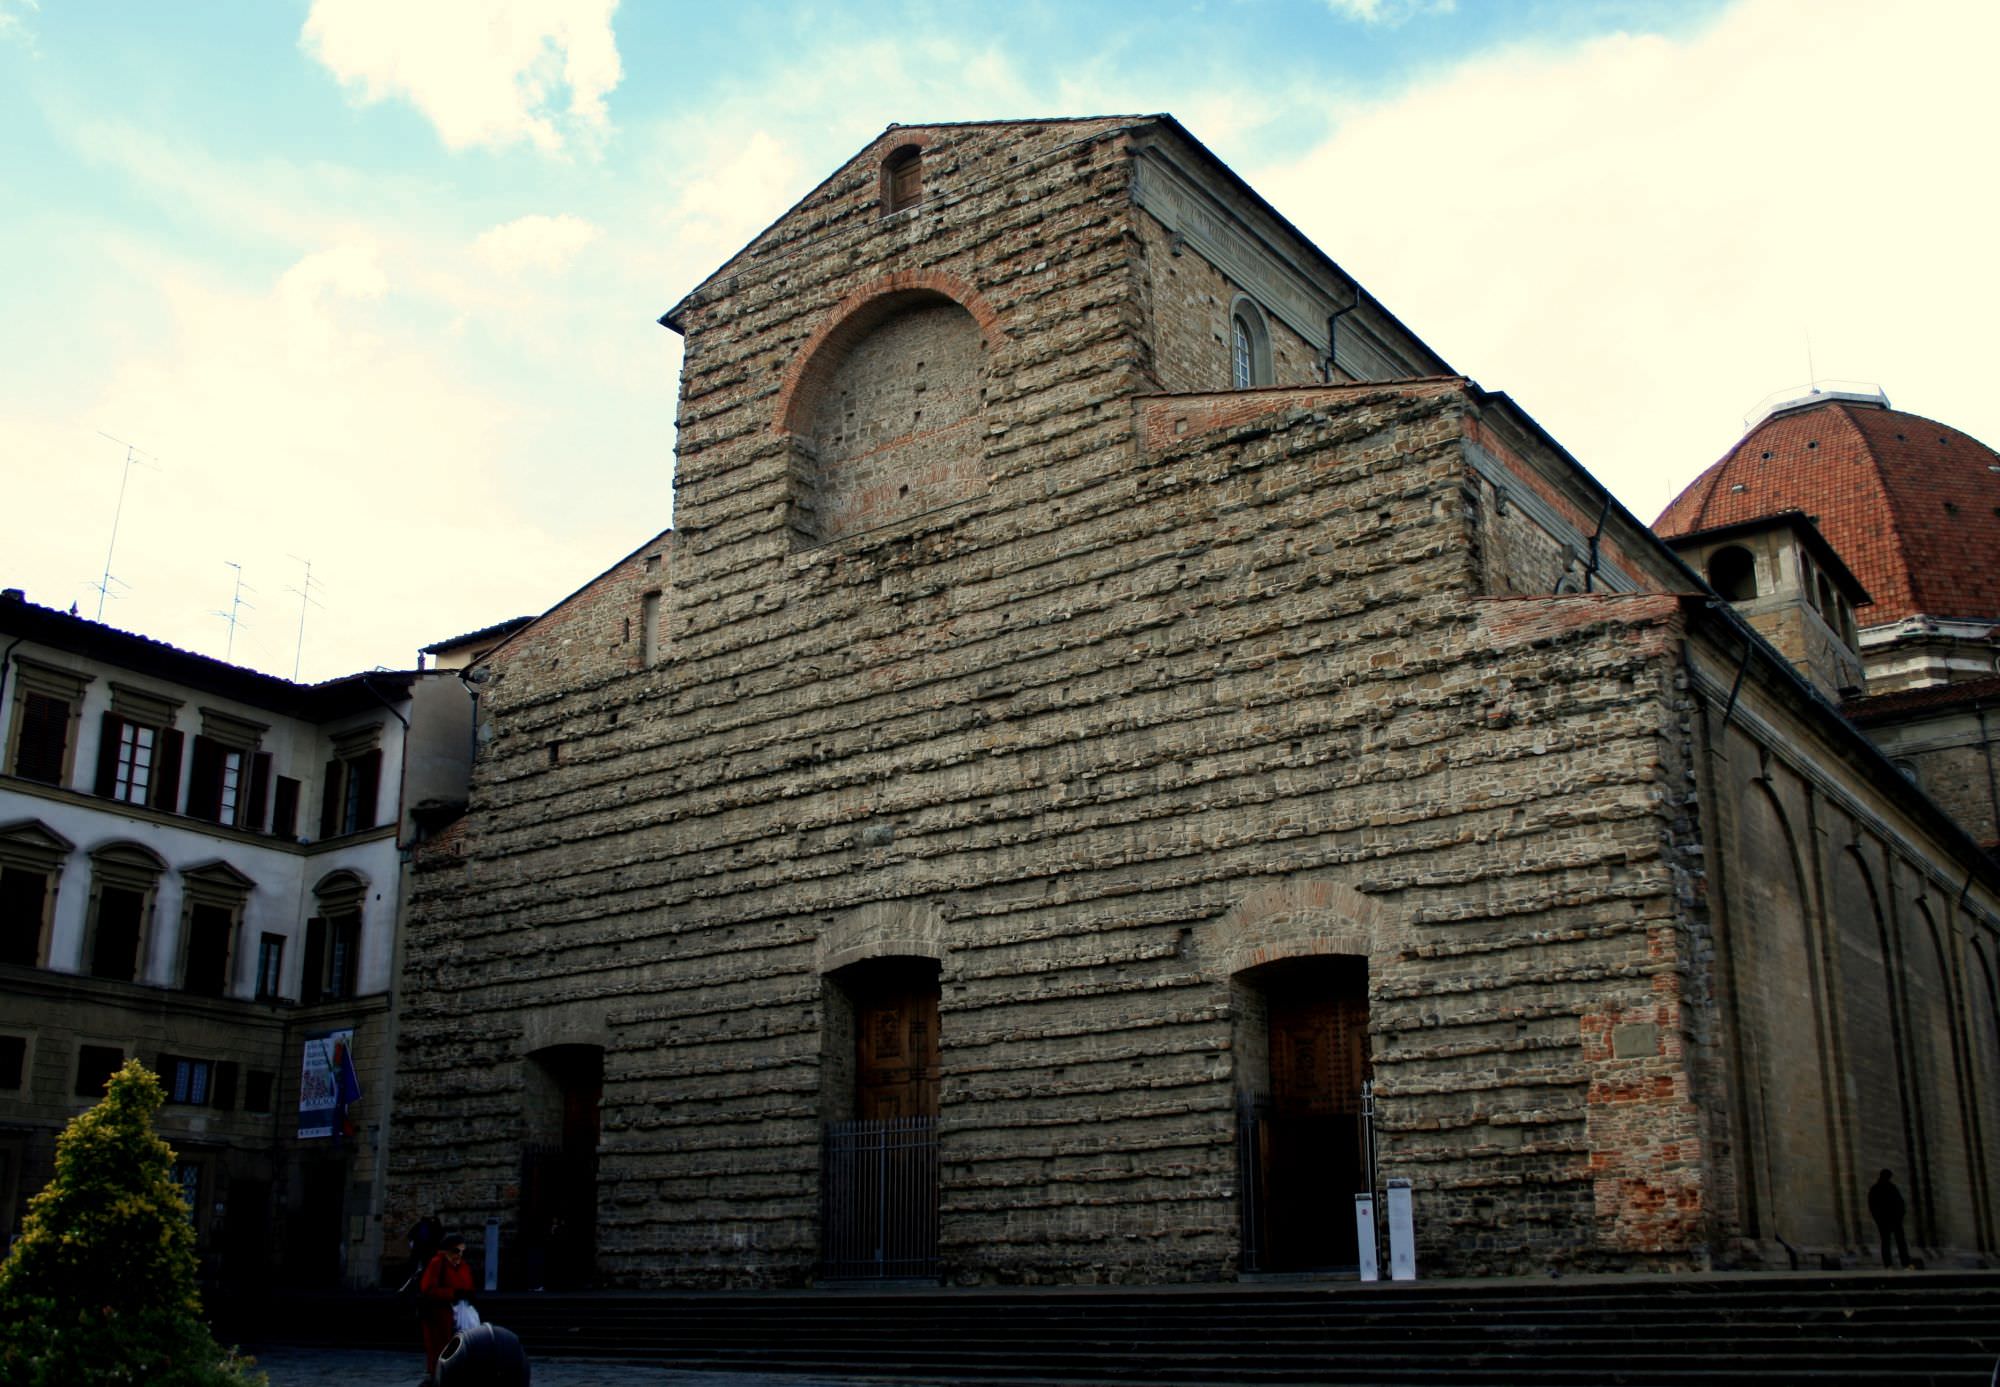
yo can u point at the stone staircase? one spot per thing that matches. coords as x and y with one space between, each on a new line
1924 1329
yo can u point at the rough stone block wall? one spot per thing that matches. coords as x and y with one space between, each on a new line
1081 736
601 629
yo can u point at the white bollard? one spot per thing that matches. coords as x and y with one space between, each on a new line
1402 1233
1364 1236
492 1254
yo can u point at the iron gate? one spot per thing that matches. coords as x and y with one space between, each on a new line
879 1192
1256 1123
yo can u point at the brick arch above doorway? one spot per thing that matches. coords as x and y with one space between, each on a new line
881 929
1304 917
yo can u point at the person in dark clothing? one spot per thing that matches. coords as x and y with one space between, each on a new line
1885 1204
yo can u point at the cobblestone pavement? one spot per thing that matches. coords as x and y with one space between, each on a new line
316 1367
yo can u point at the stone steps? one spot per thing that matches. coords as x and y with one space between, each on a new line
1922 1329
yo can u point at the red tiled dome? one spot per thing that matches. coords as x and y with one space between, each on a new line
1912 505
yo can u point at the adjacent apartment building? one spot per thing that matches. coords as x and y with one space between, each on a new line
201 866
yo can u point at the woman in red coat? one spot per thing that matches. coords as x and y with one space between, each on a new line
445 1281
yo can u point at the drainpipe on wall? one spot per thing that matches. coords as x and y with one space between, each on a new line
1332 339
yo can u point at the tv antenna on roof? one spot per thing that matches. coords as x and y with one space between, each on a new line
305 592
235 601
133 454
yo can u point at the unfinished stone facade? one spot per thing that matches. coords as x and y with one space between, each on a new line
1210 754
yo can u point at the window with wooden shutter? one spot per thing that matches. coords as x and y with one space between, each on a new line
205 780
166 791
350 795
310 988
124 879
209 928
42 747
31 865
333 939
252 816
138 750
343 956
114 951
285 808
23 910
215 894
270 967
332 793
220 768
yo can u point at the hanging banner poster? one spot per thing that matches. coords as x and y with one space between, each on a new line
327 1084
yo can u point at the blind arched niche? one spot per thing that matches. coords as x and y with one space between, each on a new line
888 421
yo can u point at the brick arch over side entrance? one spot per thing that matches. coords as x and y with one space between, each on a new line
882 929
884 409
1305 918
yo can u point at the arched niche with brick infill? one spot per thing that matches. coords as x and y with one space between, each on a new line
885 415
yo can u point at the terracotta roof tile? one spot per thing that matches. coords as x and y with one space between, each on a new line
1912 505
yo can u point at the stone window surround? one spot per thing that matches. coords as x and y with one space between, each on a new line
51 681
27 1036
217 884
143 705
78 1044
32 846
340 899
130 867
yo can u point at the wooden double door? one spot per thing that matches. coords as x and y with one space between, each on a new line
1305 1141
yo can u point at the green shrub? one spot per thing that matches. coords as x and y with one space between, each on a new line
100 1287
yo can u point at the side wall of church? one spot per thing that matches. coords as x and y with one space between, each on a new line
1853 995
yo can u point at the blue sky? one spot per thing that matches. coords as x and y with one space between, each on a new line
375 282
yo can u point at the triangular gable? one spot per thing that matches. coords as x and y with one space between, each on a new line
34 836
218 873
871 155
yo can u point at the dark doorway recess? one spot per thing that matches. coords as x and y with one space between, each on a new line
565 1089
315 1232
879 1173
246 1233
1302 1032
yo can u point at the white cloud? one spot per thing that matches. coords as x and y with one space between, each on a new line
484 72
534 243
1388 11
14 21
735 191
1635 236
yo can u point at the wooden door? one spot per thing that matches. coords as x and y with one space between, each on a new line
1312 1142
896 1044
